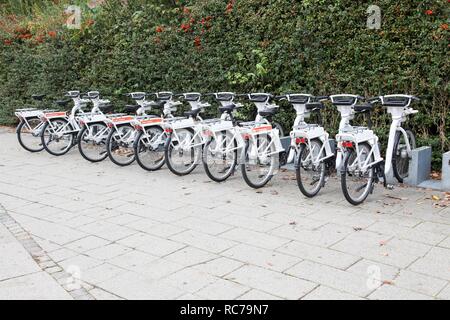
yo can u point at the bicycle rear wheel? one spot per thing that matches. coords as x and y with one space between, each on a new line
310 175
57 136
29 135
357 183
260 161
92 142
149 148
183 152
400 157
120 145
220 156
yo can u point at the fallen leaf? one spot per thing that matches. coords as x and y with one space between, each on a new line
434 197
389 282
273 192
357 228
382 243
259 191
292 223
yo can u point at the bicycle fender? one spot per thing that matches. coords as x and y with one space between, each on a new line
168 141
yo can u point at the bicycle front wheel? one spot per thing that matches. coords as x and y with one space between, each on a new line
310 174
57 136
400 157
92 142
260 161
149 148
220 156
357 182
29 135
120 145
183 152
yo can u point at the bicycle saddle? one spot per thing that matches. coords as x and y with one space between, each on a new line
131 108
256 97
344 101
314 105
62 103
193 113
93 94
228 108
363 107
268 112
395 101
38 97
106 107
298 98
192 96
224 97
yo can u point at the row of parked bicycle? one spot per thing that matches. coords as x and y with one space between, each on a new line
222 144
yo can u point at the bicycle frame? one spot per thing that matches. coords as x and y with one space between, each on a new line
399 115
353 135
303 133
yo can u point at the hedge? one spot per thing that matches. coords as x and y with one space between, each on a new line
315 46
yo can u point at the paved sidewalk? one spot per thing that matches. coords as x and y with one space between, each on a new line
123 233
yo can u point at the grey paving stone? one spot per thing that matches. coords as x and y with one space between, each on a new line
87 243
131 285
222 290
257 295
219 267
445 293
35 286
331 277
190 256
189 280
407 233
326 293
436 263
275 283
373 246
203 241
108 251
420 283
318 254
392 292
324 236
261 257
257 239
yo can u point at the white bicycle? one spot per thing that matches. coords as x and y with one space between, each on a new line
261 156
185 138
60 130
224 139
122 135
94 129
30 126
311 149
401 141
149 146
358 157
